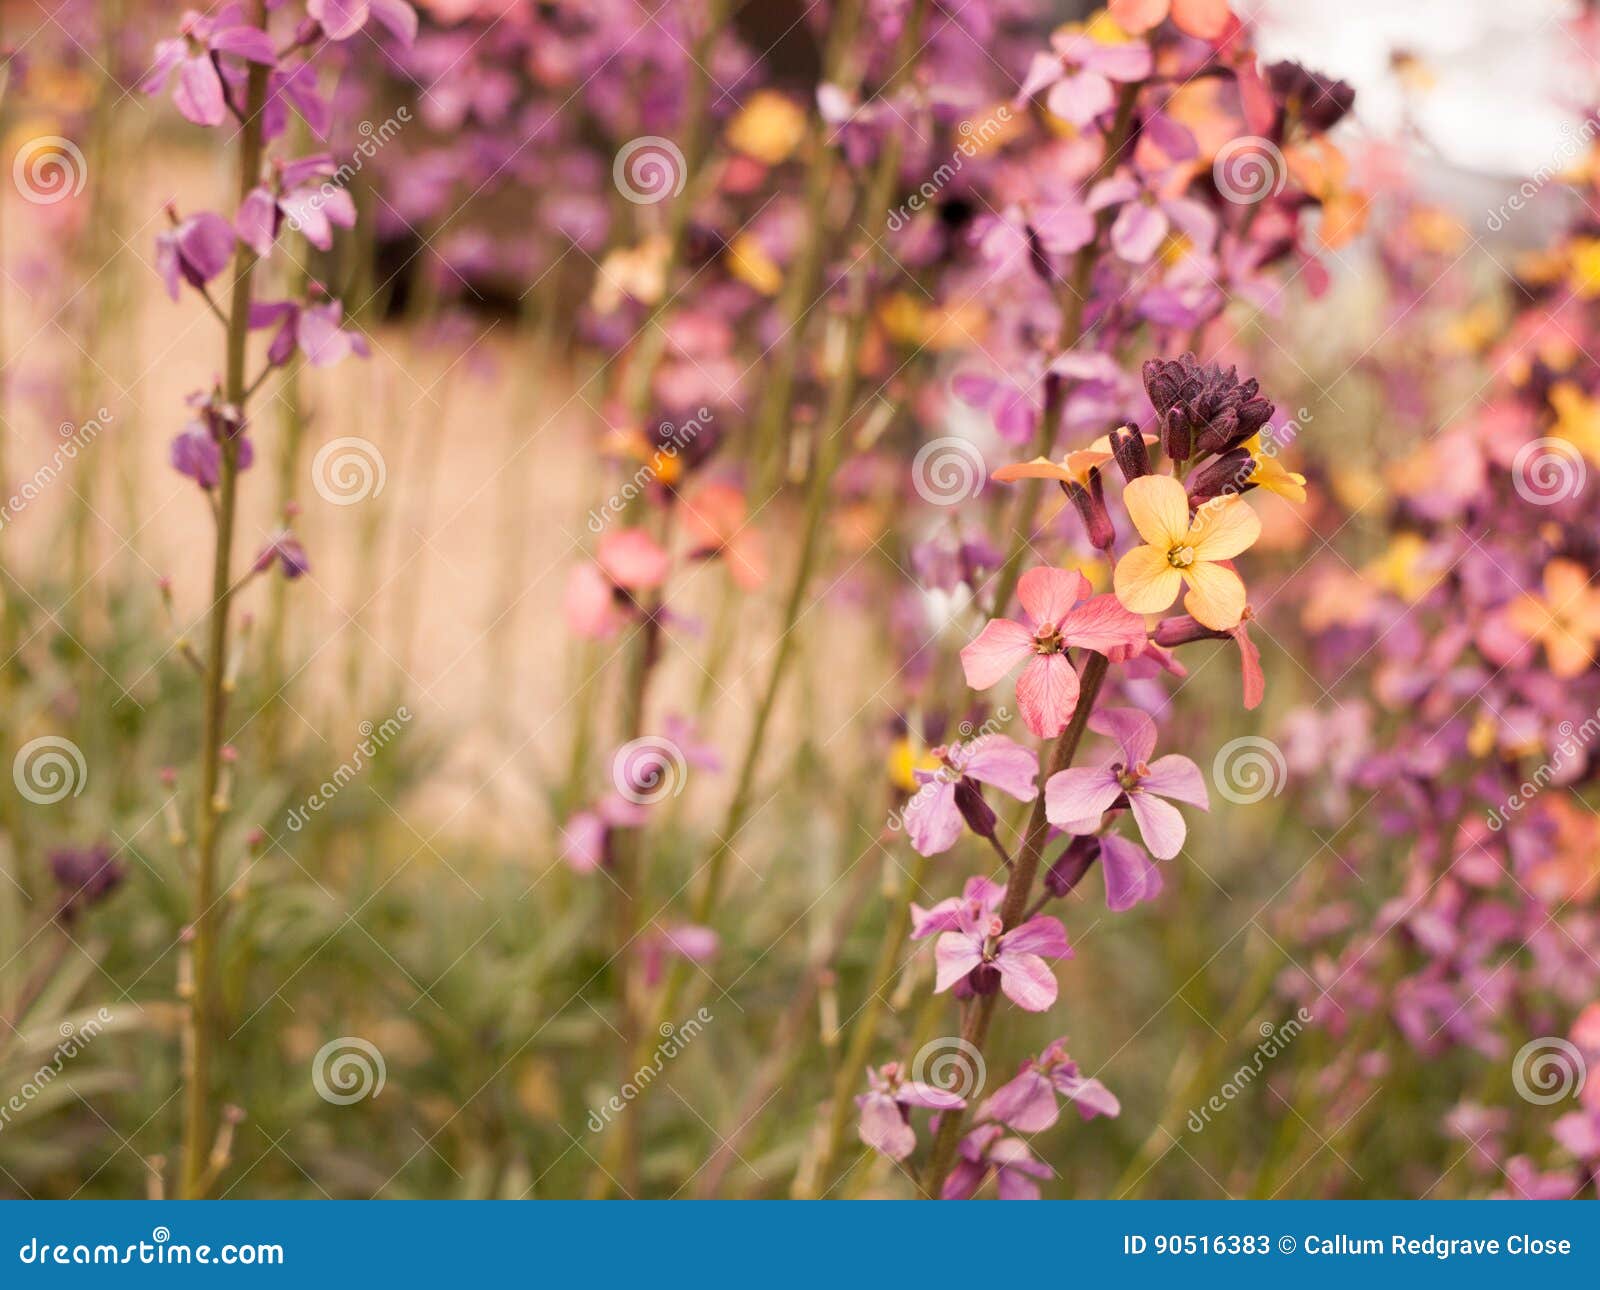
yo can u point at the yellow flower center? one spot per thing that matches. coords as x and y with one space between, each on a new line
1180 557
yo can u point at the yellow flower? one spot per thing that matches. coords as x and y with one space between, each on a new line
1270 474
1404 568
749 262
1584 270
769 127
1565 618
1577 419
1072 469
1180 550
636 271
905 761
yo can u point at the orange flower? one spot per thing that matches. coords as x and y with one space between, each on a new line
1565 619
1182 551
1074 468
1206 19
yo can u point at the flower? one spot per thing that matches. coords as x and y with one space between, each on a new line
1203 409
1027 1103
1061 614
716 519
313 329
886 1109
979 901
284 548
1564 618
85 878
312 208
768 127
600 595
1145 218
933 816
1080 74
1077 797
1011 961
688 941
1182 630
196 250
1206 19
586 837
1270 474
1073 468
1182 550
342 19
1014 1167
200 95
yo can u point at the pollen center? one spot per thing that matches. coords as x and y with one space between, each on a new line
1180 557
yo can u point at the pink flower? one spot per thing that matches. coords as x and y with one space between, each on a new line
1028 1102
1061 614
342 19
601 595
196 250
886 1110
1076 798
1014 1167
1080 73
586 838
1013 961
200 96
933 817
980 900
687 941
1145 218
306 197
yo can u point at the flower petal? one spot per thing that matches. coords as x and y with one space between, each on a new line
1013 769
1102 624
1216 595
1160 824
1223 528
1080 98
932 819
956 954
998 648
1145 582
1177 777
1038 468
1026 1103
884 1128
1159 509
1047 693
1048 593
1130 876
1027 981
1082 793
1043 935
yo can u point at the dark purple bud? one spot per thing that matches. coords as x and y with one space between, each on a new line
1253 415
1177 434
1091 507
1071 865
1128 447
978 814
1184 630
1225 476
85 877
1163 380
1219 434
984 979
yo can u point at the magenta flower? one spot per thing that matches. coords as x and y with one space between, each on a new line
1076 798
934 815
193 54
1145 218
305 197
586 837
342 19
1080 73
983 1150
1011 961
1061 615
195 250
284 548
688 941
1028 1102
886 1109
980 900
314 329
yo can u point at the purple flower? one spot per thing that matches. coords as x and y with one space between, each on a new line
85 877
934 815
314 329
310 207
342 19
1075 799
983 1150
1079 75
195 250
688 941
194 54
1011 961
586 837
1028 1102
197 454
886 1109
1145 218
284 548
980 899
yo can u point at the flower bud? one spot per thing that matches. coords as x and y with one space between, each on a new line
1177 434
1184 630
1163 381
1071 865
1091 506
1128 447
1227 475
978 814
